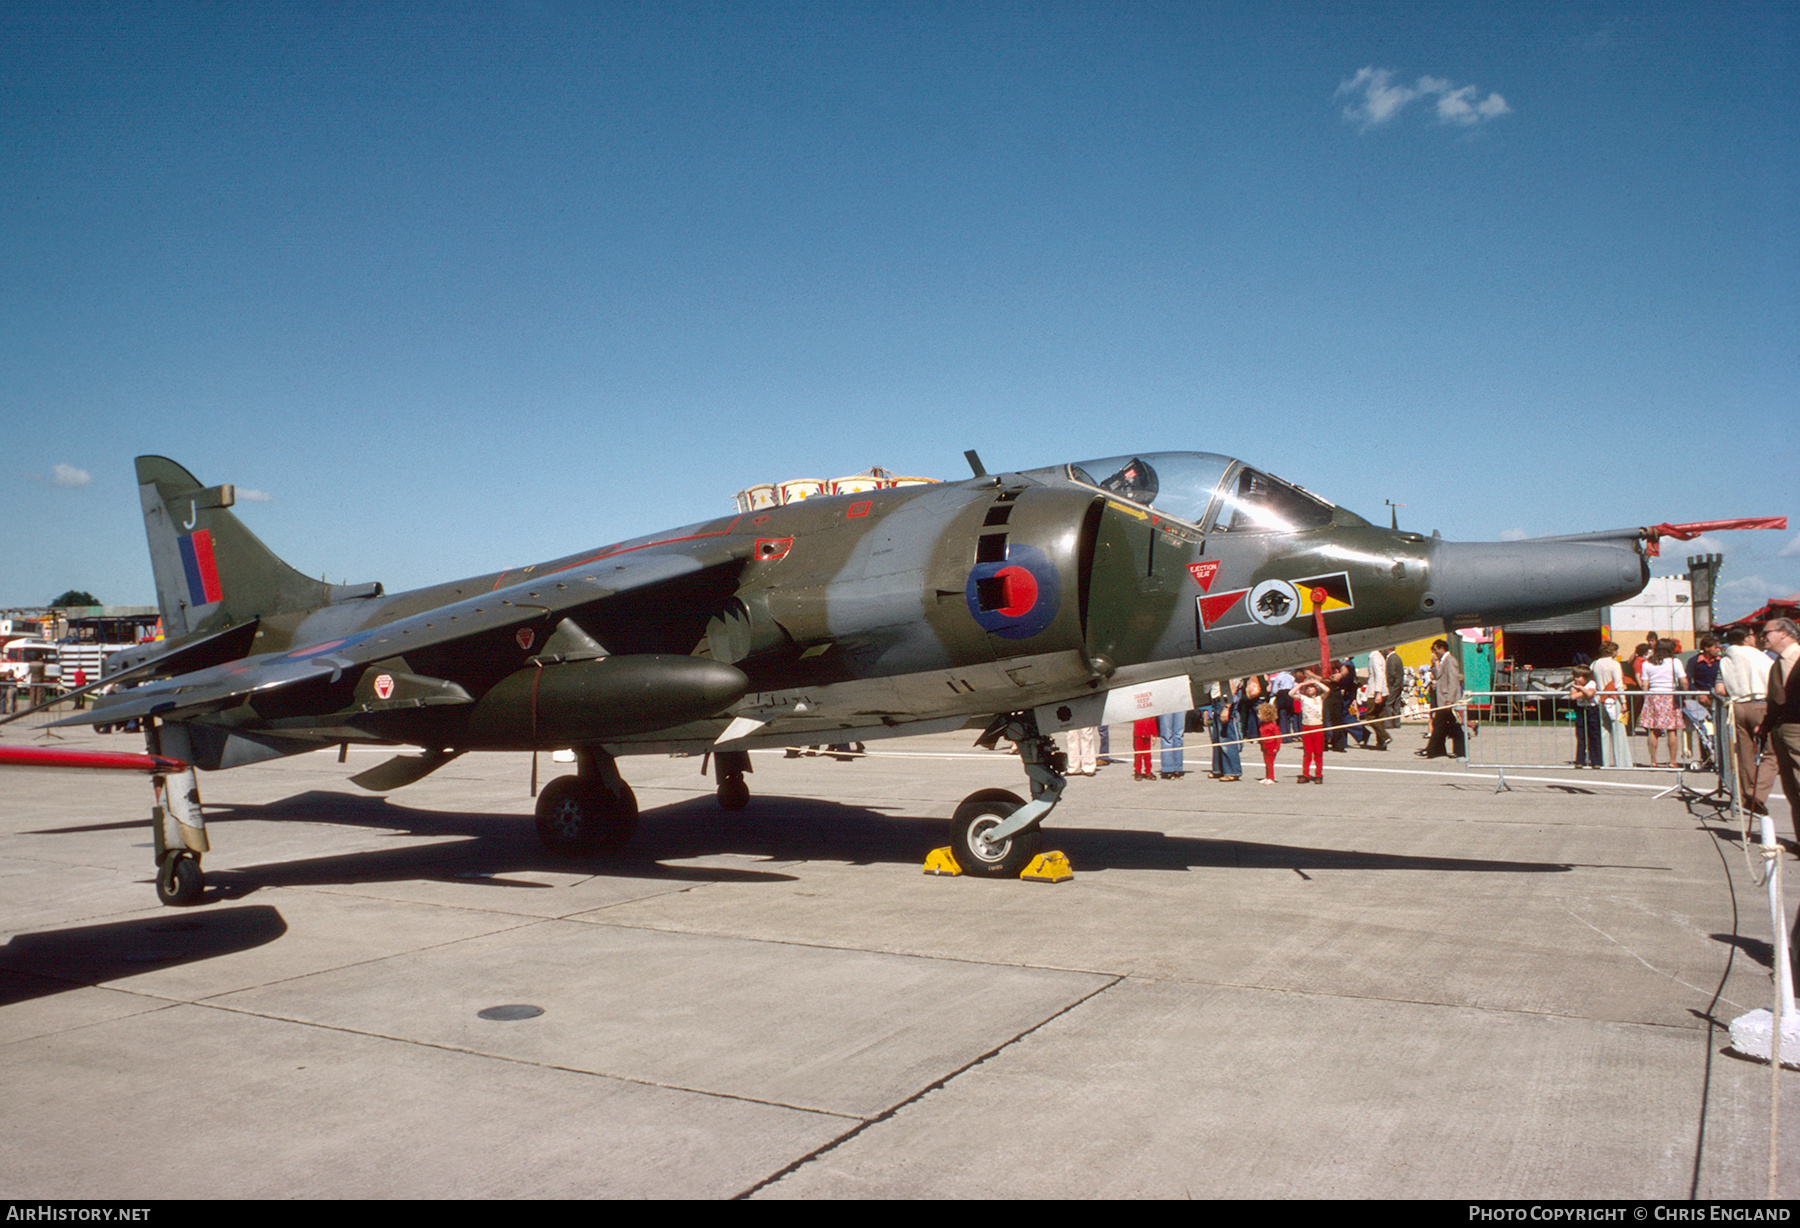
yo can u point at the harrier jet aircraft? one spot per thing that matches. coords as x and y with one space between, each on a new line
1018 603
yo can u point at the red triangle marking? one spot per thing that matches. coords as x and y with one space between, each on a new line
1212 609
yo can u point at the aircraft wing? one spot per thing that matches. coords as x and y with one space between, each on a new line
538 603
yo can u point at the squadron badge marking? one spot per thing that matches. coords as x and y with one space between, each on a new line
1274 602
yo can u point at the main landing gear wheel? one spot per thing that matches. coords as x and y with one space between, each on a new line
576 816
179 880
728 768
980 813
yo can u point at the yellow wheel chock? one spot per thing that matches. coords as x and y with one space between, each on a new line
1050 867
939 861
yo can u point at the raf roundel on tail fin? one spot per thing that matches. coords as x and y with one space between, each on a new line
201 569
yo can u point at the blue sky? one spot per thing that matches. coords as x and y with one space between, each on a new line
444 288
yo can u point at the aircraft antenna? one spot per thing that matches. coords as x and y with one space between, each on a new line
975 463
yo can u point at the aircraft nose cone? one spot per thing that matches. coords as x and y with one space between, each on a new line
1489 583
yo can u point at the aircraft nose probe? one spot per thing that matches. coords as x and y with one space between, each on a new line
1482 583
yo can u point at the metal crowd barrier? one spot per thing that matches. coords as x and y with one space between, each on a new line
1536 729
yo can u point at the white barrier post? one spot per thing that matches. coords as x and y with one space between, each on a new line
1754 1033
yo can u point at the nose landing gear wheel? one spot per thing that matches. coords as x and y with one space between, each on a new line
979 814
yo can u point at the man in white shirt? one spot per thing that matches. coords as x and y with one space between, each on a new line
1375 698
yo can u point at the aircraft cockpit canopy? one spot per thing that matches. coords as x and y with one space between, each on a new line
1191 485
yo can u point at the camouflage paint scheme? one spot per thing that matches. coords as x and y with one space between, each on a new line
1033 595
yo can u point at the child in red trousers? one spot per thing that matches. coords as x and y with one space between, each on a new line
1268 736
1309 696
1143 737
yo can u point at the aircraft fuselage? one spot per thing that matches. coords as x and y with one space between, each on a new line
858 616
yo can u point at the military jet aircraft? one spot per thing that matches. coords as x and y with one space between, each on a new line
1021 604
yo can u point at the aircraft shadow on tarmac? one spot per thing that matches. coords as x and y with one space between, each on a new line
807 829
773 829
46 962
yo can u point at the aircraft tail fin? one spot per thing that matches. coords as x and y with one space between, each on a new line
211 571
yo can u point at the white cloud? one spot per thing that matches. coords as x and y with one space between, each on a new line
1460 107
1747 594
1375 99
254 496
1791 549
69 475
1380 99
1736 598
1513 535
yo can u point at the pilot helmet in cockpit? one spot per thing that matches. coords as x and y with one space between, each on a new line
1135 480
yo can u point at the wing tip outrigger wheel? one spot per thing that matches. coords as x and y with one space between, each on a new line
177 818
179 879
